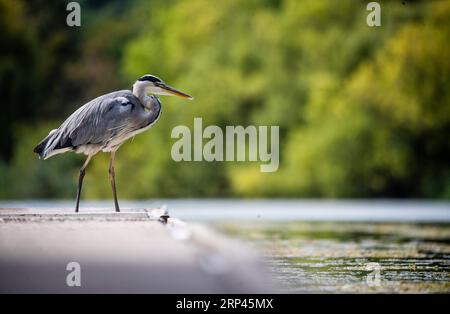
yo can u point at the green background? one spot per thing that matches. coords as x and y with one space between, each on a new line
363 111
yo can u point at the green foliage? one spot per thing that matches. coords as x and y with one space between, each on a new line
363 112
28 177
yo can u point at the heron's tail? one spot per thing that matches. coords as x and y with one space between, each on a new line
39 149
46 147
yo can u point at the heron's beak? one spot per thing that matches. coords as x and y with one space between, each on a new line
170 91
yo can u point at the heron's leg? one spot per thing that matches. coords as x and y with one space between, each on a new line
112 178
80 181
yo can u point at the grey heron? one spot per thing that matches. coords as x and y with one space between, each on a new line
106 122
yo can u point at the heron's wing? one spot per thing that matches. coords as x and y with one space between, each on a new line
100 120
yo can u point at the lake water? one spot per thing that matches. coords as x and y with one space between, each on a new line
325 246
210 210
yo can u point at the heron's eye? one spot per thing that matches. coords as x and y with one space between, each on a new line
125 104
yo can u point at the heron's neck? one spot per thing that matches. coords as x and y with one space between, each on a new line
140 91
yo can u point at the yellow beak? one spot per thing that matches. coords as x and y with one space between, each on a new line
170 91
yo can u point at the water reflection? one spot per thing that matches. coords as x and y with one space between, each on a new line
334 256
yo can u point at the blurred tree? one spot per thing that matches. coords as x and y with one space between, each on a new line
385 131
35 42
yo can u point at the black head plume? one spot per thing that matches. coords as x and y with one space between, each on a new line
150 78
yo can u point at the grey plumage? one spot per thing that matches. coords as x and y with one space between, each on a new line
106 122
100 123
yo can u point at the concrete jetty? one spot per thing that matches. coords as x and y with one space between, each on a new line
134 251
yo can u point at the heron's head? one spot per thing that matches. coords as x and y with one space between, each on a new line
154 85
